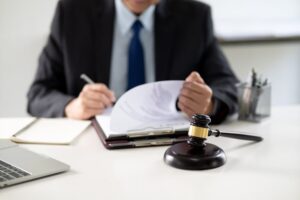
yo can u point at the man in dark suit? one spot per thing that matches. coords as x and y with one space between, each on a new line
89 37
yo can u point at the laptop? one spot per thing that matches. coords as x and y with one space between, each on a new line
19 165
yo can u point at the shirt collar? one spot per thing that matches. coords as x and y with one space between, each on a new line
125 18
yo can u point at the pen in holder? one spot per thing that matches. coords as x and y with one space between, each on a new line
254 99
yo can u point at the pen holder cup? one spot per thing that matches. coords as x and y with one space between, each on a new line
254 102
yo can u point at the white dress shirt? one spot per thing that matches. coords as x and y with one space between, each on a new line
121 38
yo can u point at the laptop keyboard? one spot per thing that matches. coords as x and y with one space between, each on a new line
9 172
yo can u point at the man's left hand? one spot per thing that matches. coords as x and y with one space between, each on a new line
195 96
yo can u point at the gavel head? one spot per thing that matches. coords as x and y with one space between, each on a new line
199 129
195 154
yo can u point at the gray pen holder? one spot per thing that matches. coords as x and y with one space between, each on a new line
254 102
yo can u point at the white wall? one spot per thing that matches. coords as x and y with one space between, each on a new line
255 9
279 62
24 26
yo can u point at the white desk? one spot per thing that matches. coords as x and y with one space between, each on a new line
266 170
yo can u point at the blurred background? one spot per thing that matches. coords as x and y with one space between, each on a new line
264 35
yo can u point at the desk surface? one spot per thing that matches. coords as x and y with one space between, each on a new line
266 170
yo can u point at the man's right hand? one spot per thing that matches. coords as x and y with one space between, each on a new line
92 100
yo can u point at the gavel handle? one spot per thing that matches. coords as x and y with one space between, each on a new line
239 136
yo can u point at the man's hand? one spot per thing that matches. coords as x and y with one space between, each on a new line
195 96
92 100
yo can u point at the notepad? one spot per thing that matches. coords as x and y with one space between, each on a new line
42 130
146 110
10 126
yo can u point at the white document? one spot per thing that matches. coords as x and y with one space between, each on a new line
147 108
43 130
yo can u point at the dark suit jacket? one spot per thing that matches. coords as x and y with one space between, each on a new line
81 42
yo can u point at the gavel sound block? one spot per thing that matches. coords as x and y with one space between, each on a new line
195 154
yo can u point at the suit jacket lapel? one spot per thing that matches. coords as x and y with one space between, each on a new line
164 34
103 23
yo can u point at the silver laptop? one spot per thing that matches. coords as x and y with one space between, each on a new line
18 165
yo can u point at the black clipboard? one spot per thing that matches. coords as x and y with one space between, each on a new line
123 142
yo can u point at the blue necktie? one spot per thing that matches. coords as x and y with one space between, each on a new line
136 69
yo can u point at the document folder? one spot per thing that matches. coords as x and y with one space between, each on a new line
157 138
149 120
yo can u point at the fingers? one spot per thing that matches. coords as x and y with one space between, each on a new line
96 96
95 99
195 96
192 106
195 77
76 109
186 109
99 88
86 113
92 100
98 93
92 104
196 89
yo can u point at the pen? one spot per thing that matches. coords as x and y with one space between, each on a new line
90 81
25 128
87 79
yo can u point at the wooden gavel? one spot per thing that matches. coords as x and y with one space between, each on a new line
195 154
200 130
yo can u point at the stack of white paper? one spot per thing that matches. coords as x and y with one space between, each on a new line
146 108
